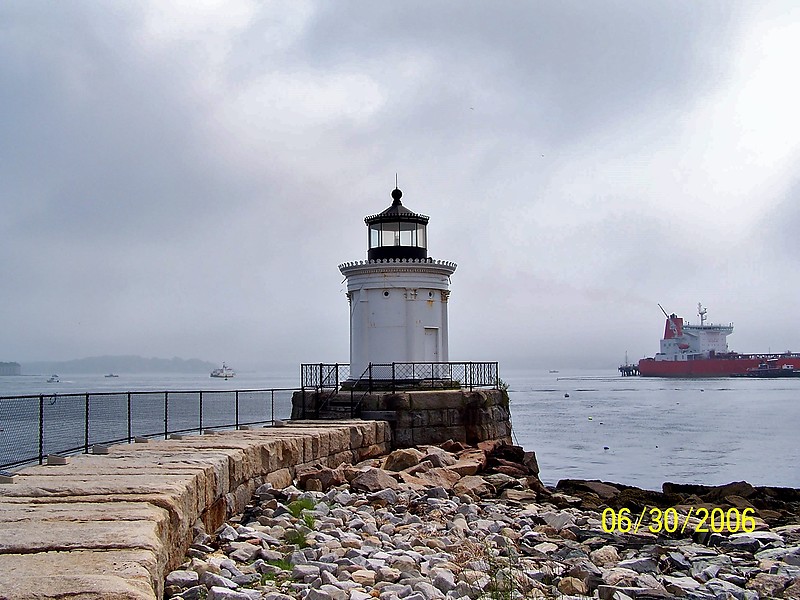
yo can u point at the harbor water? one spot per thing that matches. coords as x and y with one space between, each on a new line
582 425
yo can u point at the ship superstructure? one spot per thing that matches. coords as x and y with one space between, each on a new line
684 341
688 350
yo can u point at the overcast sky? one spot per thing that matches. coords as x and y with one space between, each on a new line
183 178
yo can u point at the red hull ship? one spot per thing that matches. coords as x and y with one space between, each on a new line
702 351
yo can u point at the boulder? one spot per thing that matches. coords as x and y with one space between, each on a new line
572 586
438 457
402 459
473 486
374 480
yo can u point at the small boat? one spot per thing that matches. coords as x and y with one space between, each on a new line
54 379
223 373
769 370
112 375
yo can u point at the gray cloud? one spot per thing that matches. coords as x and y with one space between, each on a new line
184 182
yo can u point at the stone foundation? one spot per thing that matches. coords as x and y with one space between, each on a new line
426 417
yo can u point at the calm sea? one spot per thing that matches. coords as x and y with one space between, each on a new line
588 425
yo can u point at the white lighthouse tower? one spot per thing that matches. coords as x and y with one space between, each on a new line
398 296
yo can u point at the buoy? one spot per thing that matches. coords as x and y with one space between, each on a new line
566 395
605 447
590 418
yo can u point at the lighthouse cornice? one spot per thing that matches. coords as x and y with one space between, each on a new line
398 265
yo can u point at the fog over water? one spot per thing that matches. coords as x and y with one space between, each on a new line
183 178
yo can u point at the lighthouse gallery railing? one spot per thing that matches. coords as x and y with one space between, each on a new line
402 374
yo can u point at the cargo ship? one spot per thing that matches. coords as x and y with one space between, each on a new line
702 351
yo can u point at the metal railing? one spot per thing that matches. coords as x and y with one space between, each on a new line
327 379
31 427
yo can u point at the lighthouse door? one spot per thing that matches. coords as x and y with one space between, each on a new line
431 344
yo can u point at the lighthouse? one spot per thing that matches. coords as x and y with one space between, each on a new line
398 296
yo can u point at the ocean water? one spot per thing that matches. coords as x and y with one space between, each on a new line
644 431
581 424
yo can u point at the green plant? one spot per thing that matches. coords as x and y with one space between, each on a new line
282 564
309 520
298 506
296 537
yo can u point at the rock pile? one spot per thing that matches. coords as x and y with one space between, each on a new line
456 523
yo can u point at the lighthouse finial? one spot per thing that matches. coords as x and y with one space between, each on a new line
396 193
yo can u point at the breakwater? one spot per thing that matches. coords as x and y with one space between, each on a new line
111 525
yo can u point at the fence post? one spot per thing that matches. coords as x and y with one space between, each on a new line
201 411
272 404
129 417
166 415
236 400
393 378
370 378
86 427
41 429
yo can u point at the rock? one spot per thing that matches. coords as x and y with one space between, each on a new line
473 486
363 577
304 572
402 459
679 586
439 457
440 477
183 579
640 565
374 480
572 586
768 585
620 576
521 496
607 555
222 593
443 579
319 477
793 591
557 520
385 497
428 591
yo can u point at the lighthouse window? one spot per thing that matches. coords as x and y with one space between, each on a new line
374 236
386 294
397 234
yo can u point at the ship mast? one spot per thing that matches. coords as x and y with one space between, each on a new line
702 313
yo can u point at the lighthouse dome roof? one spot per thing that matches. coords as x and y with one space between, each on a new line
397 212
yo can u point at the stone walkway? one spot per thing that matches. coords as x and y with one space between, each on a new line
110 526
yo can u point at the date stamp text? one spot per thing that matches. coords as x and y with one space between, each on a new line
655 520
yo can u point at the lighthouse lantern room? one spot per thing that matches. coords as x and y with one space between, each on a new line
398 296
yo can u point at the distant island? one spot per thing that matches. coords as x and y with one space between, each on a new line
119 364
10 368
